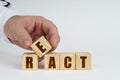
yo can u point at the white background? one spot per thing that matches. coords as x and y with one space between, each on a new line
84 25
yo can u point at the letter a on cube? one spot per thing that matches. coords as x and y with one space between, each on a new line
51 61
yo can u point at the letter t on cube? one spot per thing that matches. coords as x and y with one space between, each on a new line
41 46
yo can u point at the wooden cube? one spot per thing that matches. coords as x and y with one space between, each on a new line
29 61
67 61
83 61
41 46
51 61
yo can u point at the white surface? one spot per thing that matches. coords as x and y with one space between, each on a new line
84 25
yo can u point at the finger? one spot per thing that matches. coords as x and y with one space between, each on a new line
15 42
50 31
54 37
40 59
23 37
35 35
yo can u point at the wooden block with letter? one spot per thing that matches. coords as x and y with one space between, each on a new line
41 46
29 61
51 61
83 61
67 61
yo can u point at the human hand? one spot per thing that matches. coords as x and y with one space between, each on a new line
24 30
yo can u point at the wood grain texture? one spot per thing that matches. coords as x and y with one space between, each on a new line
67 61
29 61
83 61
41 46
51 61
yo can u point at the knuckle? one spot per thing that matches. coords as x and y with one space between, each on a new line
40 17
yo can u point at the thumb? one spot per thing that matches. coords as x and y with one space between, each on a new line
23 37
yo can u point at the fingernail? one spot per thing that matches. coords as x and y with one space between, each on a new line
27 43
